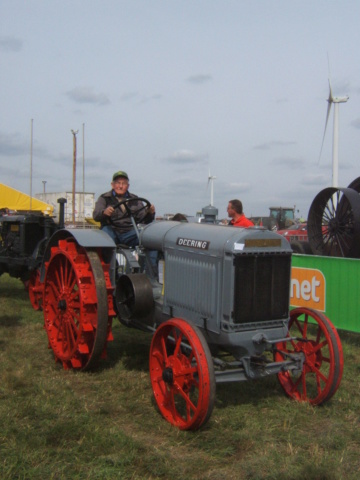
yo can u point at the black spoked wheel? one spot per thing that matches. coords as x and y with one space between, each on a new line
334 223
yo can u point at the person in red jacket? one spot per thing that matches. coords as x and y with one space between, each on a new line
235 212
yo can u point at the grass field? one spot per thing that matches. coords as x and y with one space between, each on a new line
57 424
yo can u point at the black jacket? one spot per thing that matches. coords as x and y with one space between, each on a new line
120 220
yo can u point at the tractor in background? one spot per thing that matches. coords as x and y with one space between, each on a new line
279 218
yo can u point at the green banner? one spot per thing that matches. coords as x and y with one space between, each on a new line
330 285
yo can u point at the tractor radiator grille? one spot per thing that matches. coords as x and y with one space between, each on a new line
262 285
191 284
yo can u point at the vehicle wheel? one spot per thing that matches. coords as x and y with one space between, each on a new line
316 338
182 374
76 310
35 288
334 223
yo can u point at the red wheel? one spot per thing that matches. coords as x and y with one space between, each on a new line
77 309
182 374
319 342
36 289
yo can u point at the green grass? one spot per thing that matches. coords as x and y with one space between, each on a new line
57 424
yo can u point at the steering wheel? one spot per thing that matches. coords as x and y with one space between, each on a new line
128 212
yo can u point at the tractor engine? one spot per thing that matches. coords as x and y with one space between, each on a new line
228 281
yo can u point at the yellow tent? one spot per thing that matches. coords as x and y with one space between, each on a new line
91 221
16 200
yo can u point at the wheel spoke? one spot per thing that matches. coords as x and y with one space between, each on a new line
318 373
320 346
178 340
164 351
185 396
300 327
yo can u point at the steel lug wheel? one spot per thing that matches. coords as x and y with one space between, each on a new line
78 306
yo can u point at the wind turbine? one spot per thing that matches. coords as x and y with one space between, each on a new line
211 179
334 100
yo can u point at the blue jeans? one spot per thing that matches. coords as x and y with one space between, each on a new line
130 239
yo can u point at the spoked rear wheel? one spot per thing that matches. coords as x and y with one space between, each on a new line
319 342
182 374
76 311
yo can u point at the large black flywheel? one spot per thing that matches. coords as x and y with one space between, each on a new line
334 223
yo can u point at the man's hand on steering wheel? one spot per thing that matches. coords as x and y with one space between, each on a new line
125 207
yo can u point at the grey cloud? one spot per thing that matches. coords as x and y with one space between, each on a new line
199 79
10 44
128 96
273 143
186 156
12 145
87 95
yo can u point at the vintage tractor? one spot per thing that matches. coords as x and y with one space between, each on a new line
23 239
218 310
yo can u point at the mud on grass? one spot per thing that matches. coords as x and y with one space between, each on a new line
58 424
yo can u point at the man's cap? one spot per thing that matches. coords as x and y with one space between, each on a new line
120 173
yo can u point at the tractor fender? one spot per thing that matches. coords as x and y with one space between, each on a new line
87 238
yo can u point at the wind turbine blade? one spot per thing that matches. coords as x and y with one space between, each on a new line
326 122
331 98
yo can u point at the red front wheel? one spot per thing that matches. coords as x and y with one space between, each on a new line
182 374
318 341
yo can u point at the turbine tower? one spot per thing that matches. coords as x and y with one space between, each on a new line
335 164
211 179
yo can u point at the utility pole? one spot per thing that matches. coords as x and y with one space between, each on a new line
31 159
74 174
44 189
83 165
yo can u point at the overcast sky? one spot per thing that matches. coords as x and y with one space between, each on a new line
169 90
